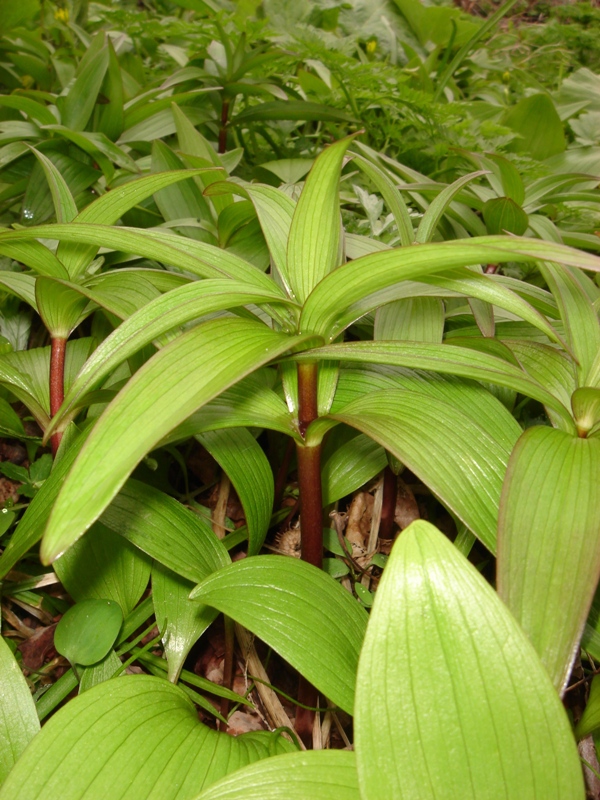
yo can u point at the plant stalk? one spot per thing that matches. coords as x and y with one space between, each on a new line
57 383
311 518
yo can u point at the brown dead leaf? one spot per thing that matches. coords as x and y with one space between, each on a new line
358 525
407 510
38 648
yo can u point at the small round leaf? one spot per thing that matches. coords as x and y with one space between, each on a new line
88 630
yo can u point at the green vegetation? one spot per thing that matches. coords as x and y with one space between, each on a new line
314 279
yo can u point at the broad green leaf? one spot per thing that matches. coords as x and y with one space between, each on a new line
350 467
180 620
549 541
540 128
582 327
452 454
314 239
447 359
103 566
331 305
64 204
503 215
167 531
31 525
244 461
77 104
452 700
88 630
434 214
120 292
161 124
326 774
420 319
137 735
18 718
303 614
159 316
469 396
548 366
61 308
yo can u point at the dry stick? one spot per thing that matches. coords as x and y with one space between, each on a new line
57 383
220 510
275 712
218 526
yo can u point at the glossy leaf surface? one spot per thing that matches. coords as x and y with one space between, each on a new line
18 717
139 728
326 774
88 630
451 697
308 618
549 541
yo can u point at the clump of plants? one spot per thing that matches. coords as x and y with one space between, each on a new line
300 442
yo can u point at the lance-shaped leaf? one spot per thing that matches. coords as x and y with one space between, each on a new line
326 774
314 241
437 209
582 328
61 308
393 198
586 409
447 359
180 620
188 302
350 467
110 207
33 254
19 284
419 319
275 211
244 461
167 531
452 454
138 735
290 110
549 541
199 258
64 204
187 373
330 306
452 700
18 718
299 611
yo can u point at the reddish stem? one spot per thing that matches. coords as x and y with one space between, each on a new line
311 518
57 383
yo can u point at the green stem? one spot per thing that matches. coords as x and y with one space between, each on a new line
468 46
57 383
